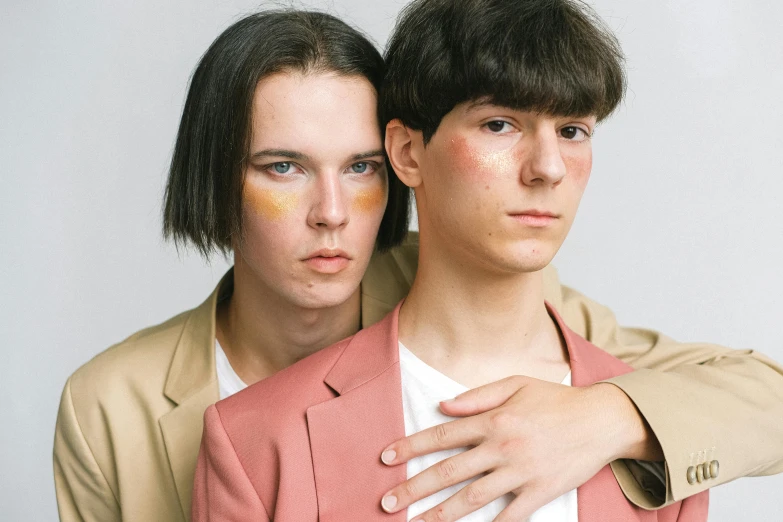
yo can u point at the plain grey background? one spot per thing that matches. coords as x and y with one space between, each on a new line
681 228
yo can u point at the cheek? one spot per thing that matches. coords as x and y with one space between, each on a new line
579 167
369 199
270 204
480 164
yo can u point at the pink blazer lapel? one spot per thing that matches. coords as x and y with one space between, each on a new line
600 499
348 433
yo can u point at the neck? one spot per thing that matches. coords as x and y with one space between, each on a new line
476 325
263 333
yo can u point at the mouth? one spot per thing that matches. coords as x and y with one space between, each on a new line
328 260
534 217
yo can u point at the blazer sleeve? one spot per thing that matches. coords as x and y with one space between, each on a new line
222 491
705 403
83 493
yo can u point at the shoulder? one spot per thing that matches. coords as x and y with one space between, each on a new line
394 269
135 366
388 278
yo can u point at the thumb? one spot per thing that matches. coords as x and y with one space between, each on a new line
484 398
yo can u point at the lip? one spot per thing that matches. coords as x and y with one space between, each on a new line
535 218
328 260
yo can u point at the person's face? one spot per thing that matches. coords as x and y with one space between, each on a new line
501 187
315 187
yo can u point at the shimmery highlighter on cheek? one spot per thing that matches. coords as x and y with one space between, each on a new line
271 204
498 162
480 164
369 199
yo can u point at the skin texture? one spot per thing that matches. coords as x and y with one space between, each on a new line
306 189
475 313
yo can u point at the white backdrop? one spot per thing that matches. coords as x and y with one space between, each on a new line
685 192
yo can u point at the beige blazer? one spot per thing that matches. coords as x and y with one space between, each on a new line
130 420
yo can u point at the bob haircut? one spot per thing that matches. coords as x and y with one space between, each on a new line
548 56
206 178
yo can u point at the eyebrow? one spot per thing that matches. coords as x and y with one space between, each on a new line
368 154
291 154
281 153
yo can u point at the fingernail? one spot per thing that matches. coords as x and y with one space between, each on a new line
388 457
449 401
388 502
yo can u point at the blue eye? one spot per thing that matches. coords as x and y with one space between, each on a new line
359 168
282 168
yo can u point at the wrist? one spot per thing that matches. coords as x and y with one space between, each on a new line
627 433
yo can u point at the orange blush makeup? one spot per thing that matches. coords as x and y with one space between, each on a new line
271 204
369 199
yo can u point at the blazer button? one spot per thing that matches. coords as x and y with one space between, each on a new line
700 473
714 468
691 474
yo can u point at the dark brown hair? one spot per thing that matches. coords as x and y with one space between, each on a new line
549 56
204 190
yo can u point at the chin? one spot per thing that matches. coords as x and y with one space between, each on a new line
525 257
527 263
324 295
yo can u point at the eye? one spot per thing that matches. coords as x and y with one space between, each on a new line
497 126
363 168
573 133
282 168
360 168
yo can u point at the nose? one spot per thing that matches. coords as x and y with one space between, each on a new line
545 165
328 210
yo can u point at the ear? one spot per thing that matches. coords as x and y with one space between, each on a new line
401 147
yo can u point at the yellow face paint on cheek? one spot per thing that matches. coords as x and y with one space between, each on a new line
271 204
369 199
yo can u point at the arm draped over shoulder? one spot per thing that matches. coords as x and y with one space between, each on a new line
704 402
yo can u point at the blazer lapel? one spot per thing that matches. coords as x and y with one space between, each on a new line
181 429
349 432
600 499
192 386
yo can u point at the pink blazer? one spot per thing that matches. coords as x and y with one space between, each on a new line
305 444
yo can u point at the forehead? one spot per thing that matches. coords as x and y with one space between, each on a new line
314 113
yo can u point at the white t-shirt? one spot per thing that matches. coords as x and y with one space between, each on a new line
423 387
228 381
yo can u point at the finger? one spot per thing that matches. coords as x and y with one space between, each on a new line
454 434
471 498
437 477
484 398
528 502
